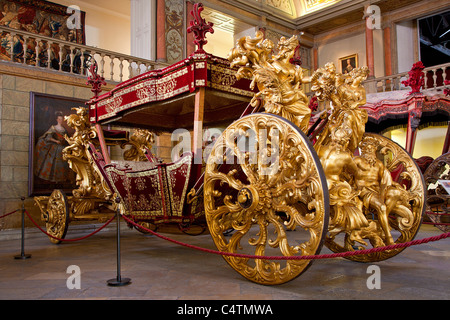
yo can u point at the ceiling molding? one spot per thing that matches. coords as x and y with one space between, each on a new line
332 17
309 23
254 9
336 10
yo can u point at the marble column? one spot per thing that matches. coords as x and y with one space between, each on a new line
387 51
161 31
369 51
315 58
190 46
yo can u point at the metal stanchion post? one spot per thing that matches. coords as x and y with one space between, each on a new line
22 255
118 281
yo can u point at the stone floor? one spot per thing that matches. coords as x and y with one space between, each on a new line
161 270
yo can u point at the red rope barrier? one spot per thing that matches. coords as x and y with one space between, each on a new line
69 240
306 257
4 216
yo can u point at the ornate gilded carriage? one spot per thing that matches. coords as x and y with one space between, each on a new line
279 179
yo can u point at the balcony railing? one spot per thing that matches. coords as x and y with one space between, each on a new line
31 49
434 79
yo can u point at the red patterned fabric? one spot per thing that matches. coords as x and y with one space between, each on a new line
157 194
198 70
394 109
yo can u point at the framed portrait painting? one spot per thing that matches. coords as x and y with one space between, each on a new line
348 63
47 169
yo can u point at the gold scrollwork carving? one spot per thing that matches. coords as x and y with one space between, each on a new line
89 181
387 206
56 216
272 194
367 205
141 141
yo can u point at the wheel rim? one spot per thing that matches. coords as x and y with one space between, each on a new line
438 199
144 226
402 229
273 194
57 220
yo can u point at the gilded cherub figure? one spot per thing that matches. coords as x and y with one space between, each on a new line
277 79
347 95
325 81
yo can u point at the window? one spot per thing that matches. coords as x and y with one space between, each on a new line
434 37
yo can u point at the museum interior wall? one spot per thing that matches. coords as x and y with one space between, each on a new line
107 26
395 49
16 84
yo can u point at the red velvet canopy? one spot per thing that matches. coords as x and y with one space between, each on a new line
164 99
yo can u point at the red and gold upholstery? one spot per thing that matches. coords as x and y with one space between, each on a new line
152 192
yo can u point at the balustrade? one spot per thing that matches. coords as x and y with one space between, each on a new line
30 49
434 79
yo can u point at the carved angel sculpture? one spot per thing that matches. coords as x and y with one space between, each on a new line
346 94
278 80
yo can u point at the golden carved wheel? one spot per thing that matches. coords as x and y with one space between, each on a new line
57 216
264 181
401 192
